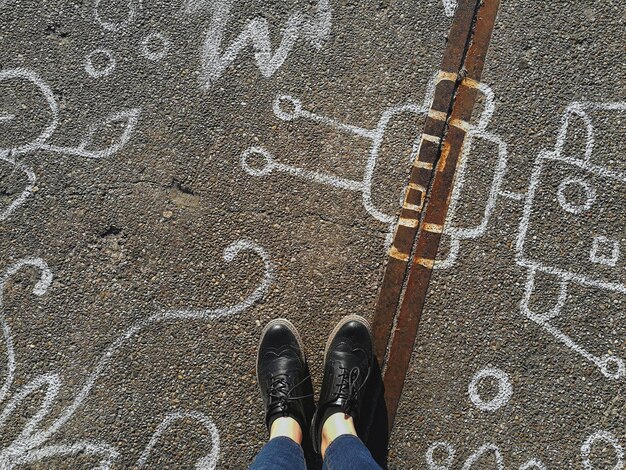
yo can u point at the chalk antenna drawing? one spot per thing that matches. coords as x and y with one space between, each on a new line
315 29
31 444
600 262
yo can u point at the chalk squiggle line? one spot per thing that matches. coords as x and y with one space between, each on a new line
26 192
28 444
315 29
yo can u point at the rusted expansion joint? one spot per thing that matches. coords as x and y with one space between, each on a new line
422 216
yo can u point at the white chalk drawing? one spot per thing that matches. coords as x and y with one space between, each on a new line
155 46
575 195
434 460
314 29
288 108
610 365
437 448
449 7
533 463
607 438
103 71
598 251
485 450
502 397
127 118
116 26
31 443
26 192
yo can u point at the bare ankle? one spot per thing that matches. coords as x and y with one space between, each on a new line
336 425
286 427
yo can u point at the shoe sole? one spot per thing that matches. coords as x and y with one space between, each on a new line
292 328
342 322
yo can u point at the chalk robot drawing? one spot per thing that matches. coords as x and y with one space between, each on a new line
288 108
11 155
569 186
31 444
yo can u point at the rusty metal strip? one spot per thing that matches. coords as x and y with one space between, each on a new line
408 271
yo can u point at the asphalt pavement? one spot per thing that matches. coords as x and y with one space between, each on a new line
176 174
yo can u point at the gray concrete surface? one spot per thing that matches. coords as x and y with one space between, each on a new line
143 230
148 326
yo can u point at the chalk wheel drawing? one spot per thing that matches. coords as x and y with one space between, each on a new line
155 46
112 25
505 390
97 71
607 438
433 460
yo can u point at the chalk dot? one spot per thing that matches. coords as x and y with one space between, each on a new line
575 195
287 108
99 63
435 462
113 25
607 438
612 367
503 385
155 46
257 153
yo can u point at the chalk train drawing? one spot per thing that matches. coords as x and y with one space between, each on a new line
593 182
586 178
607 438
505 390
31 445
128 118
434 460
314 29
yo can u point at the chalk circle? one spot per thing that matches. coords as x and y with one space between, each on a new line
285 100
582 186
46 91
99 71
155 46
268 164
440 447
115 26
607 438
504 389
612 367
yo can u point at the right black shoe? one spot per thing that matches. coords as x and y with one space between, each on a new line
348 362
283 375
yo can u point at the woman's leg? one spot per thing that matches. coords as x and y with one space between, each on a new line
283 451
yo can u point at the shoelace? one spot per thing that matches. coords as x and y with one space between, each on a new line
349 388
280 391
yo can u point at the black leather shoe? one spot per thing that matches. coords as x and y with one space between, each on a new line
347 364
283 375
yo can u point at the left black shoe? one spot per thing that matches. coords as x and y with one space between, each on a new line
283 375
